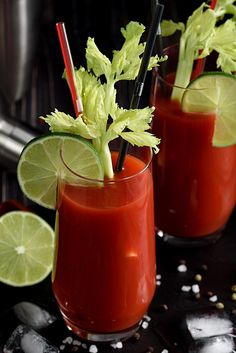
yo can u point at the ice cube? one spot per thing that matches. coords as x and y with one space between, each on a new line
32 315
208 325
26 340
219 344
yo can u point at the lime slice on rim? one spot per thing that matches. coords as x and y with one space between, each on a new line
40 163
214 92
26 248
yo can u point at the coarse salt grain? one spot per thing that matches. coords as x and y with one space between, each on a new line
147 317
182 268
163 307
68 340
117 345
158 283
165 351
158 276
62 347
77 343
145 324
195 288
213 299
93 348
84 345
185 288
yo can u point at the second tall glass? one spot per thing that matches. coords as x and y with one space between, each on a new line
194 182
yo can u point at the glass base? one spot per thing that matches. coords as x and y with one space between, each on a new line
189 242
101 337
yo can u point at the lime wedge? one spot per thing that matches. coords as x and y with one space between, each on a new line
40 163
214 92
26 248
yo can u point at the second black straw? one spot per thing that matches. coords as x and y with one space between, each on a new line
139 83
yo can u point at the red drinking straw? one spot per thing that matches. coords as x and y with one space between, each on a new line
200 64
61 31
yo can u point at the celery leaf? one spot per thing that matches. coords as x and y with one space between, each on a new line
102 120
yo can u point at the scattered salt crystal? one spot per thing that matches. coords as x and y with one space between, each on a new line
163 307
145 324
164 351
213 299
76 343
182 268
68 340
158 283
158 276
62 347
185 288
84 345
147 317
195 288
117 345
93 348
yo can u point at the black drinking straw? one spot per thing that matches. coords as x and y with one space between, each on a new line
158 49
139 83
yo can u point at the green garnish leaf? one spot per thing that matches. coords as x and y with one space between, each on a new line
102 120
225 44
96 61
143 138
206 30
170 27
61 122
136 120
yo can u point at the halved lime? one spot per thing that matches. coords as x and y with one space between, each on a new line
26 248
40 164
214 92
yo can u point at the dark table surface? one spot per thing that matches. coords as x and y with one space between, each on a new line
216 264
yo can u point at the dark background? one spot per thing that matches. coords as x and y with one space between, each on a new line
44 92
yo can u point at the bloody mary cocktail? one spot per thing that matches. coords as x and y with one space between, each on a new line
194 182
104 275
193 92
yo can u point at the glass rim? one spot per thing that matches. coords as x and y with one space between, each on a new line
109 181
156 71
172 85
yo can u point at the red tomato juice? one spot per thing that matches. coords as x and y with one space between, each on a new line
194 182
104 278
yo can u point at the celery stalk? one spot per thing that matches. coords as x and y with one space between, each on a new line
107 161
105 156
183 72
206 30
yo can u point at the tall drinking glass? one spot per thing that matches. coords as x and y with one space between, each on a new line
194 182
104 268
